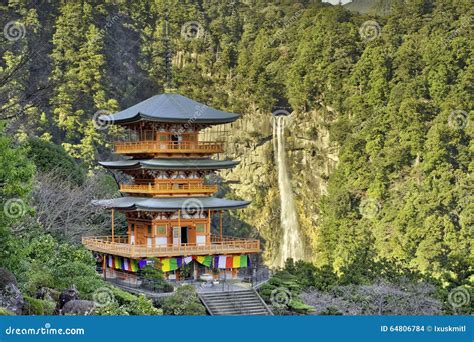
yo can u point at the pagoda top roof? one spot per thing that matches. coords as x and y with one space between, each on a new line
169 164
170 204
171 108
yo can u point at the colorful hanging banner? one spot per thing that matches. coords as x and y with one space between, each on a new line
171 264
231 261
120 263
204 260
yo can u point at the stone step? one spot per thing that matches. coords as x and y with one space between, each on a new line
246 302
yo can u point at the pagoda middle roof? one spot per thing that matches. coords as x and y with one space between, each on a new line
170 203
169 164
170 108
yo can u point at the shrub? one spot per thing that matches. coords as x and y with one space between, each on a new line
110 310
142 306
6 312
184 302
35 306
48 157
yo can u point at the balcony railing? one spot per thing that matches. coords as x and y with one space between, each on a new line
155 146
119 246
168 189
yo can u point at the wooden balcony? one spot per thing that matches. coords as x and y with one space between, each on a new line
169 189
168 147
120 246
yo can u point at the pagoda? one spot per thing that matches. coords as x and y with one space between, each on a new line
167 204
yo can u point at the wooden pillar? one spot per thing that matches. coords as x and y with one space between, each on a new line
153 231
113 224
208 235
104 265
220 223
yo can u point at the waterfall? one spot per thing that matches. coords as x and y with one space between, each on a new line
291 245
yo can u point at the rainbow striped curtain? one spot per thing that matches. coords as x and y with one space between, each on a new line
231 261
121 263
204 260
171 264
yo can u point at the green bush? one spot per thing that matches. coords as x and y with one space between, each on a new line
142 306
35 306
154 280
110 310
6 312
121 296
48 157
184 302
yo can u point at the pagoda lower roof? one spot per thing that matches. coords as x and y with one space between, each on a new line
170 204
172 108
169 164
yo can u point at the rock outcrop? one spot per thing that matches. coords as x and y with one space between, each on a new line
311 158
10 296
78 307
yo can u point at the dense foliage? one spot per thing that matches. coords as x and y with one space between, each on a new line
396 99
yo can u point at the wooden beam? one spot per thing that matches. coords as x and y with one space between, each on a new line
220 222
113 225
104 265
208 235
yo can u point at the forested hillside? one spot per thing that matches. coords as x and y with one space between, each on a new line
380 142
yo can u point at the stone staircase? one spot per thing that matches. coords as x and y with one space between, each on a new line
228 303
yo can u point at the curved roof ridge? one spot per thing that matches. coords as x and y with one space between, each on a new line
169 203
170 108
170 164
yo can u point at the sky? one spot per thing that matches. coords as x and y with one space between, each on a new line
335 2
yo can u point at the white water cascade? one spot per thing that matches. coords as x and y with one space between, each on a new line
291 245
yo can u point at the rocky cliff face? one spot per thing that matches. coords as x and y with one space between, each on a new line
311 158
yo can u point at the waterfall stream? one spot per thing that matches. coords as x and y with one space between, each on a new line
291 245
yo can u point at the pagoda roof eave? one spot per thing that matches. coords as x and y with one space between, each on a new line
170 108
170 164
170 204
